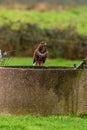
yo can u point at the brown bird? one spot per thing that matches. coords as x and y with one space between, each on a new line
40 54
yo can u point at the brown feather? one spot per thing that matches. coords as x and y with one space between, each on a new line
40 54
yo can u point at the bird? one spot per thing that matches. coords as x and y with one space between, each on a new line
40 54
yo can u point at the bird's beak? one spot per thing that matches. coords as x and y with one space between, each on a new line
45 44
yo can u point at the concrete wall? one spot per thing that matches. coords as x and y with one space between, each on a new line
43 91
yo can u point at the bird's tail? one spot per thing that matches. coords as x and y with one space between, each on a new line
33 61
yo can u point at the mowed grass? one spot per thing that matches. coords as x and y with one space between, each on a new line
42 123
15 61
61 18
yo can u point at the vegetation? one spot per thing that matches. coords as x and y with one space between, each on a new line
75 17
23 30
42 123
29 1
13 61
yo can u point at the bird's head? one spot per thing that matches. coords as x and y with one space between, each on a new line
43 43
42 46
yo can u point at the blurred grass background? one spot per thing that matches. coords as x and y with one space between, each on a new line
57 18
61 12
64 30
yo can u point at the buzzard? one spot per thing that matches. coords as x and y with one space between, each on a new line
40 54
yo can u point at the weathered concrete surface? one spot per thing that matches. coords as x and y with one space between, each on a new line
82 93
43 91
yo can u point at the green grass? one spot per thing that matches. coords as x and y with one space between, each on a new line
60 18
14 61
42 123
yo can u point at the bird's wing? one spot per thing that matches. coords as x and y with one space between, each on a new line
34 60
44 59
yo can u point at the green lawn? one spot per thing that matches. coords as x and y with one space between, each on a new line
29 61
42 123
55 18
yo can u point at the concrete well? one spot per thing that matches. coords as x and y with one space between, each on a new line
43 91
